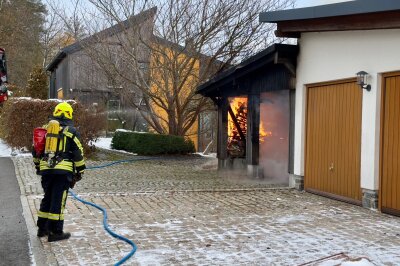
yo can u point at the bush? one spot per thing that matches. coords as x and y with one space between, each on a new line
19 116
151 144
15 91
37 83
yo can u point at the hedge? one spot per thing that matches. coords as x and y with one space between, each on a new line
19 116
151 144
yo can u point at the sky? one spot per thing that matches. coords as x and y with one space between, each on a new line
305 3
299 3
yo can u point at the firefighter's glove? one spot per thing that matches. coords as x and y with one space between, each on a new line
72 184
77 177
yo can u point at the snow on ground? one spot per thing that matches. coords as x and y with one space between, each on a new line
5 151
103 143
209 155
362 262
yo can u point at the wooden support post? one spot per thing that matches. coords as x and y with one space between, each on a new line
222 139
253 129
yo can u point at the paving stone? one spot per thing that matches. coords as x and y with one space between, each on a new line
180 214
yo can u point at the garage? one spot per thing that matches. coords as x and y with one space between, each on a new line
390 145
333 140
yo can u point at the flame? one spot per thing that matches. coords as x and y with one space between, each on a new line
239 108
237 104
264 133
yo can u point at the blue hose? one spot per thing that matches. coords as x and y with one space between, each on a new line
118 162
105 224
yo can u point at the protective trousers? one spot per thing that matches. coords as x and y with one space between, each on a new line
51 212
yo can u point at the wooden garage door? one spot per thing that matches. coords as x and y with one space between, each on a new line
333 140
390 151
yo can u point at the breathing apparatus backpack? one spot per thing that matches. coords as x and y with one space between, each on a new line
47 142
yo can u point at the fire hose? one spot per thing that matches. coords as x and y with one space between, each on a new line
105 224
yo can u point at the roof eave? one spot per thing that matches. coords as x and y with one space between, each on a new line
56 60
331 10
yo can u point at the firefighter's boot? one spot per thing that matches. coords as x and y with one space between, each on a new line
42 232
58 236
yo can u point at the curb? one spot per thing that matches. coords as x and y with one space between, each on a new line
39 255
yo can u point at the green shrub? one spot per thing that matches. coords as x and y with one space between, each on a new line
151 144
37 83
20 116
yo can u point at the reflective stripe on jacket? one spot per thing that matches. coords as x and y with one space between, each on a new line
70 151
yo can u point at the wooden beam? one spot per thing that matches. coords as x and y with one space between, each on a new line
215 100
288 64
222 137
242 136
370 21
253 129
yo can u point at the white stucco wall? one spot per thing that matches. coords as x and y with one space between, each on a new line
338 55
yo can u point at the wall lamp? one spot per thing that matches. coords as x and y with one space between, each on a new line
362 80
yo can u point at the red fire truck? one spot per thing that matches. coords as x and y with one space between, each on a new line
3 77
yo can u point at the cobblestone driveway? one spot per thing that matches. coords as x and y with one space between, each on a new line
180 213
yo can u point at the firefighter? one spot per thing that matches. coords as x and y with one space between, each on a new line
58 174
3 76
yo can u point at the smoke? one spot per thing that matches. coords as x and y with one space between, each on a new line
274 149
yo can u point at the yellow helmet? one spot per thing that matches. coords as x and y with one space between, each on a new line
63 110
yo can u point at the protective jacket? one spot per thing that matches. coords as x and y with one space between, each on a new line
69 156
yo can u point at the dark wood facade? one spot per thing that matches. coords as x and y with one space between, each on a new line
76 69
76 73
270 70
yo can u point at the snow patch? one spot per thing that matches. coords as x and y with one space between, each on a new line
31 255
105 143
153 257
342 262
167 225
291 219
79 234
5 150
210 155
125 232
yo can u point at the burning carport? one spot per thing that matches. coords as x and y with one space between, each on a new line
255 101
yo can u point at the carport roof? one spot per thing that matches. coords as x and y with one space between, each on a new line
274 54
351 15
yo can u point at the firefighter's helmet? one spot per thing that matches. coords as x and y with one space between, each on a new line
63 110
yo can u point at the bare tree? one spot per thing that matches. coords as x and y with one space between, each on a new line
160 64
71 19
51 35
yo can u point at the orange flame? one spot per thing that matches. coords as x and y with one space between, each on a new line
239 104
236 105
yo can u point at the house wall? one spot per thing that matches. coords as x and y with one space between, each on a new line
61 77
327 56
89 83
